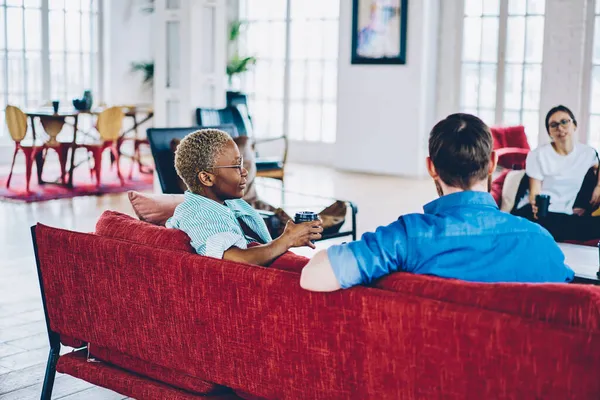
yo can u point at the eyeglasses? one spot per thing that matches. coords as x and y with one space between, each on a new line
239 166
562 122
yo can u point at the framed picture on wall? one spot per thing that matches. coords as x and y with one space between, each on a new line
379 31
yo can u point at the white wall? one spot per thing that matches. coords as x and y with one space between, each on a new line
128 37
385 112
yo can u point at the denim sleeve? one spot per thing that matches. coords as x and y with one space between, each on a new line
376 254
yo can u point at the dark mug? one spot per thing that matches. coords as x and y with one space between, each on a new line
55 106
305 216
542 201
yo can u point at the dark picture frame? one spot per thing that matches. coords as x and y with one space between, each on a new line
379 31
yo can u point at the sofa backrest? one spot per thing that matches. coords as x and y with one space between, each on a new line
570 305
116 225
255 330
120 226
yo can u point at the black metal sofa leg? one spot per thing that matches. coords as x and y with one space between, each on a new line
50 373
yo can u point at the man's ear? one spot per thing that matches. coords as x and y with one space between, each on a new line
206 178
493 162
431 169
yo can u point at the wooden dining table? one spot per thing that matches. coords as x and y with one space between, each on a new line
47 116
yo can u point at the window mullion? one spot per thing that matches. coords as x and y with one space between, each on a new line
5 61
479 64
24 59
97 43
45 59
287 69
501 66
65 69
322 100
523 64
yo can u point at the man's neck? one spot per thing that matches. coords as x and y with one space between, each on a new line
481 186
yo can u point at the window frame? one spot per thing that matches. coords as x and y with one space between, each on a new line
501 64
95 53
286 100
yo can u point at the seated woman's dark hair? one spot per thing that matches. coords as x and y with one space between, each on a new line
460 148
556 109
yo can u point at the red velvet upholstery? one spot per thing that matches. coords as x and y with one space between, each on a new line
256 331
156 372
511 146
120 226
497 185
125 382
509 136
558 299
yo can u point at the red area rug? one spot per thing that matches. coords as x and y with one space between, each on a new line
84 185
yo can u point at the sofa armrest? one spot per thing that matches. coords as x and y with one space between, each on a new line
512 157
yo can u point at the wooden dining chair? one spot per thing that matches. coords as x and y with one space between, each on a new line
109 125
16 120
138 141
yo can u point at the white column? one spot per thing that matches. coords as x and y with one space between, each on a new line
564 64
190 57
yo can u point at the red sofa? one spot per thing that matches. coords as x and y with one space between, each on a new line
164 323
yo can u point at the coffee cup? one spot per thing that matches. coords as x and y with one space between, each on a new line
305 216
542 202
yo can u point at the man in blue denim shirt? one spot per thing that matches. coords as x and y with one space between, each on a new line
461 235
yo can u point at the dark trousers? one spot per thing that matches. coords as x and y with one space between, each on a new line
565 227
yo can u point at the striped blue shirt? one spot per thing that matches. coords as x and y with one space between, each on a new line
212 227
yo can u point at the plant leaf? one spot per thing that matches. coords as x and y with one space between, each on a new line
239 65
147 68
235 28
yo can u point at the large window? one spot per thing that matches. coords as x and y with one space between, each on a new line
48 51
594 127
292 88
502 62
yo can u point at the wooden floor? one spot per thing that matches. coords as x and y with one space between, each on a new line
23 340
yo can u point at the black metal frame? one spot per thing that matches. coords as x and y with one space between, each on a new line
401 59
351 232
53 337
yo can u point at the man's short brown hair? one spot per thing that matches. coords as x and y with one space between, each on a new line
460 148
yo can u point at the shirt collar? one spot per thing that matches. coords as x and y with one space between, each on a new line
205 202
460 199
209 204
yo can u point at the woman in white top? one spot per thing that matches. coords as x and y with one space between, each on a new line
558 169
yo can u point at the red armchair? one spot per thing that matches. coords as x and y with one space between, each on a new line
511 146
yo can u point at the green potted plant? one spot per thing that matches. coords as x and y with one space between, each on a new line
236 64
147 68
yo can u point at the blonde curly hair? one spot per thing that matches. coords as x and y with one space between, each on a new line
197 152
